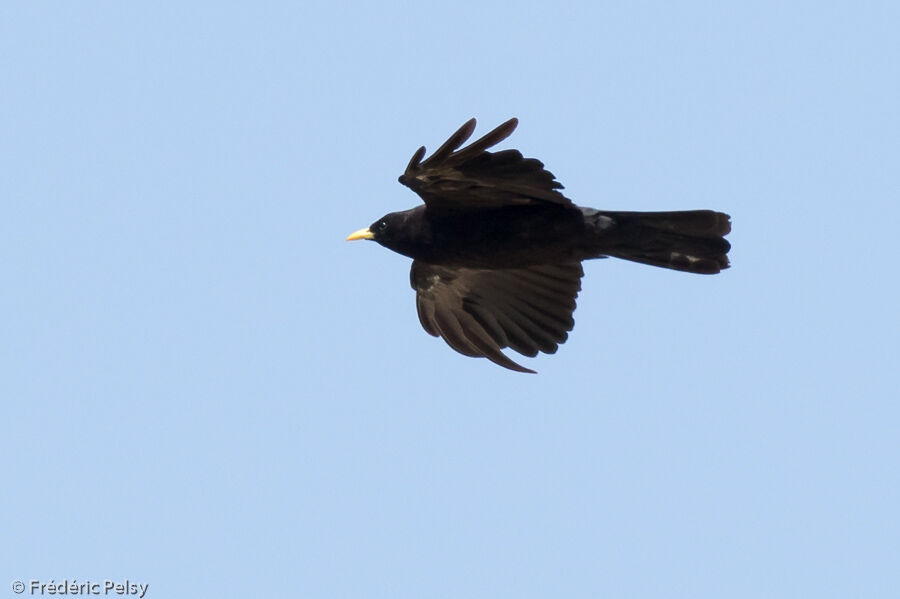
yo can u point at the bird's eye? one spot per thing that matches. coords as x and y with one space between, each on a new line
379 227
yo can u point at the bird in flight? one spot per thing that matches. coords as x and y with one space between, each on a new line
497 248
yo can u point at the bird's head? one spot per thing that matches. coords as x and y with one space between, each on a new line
398 231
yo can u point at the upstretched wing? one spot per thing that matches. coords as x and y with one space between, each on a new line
478 312
472 177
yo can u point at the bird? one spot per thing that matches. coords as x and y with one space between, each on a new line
497 248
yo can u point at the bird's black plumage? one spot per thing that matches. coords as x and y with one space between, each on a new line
497 248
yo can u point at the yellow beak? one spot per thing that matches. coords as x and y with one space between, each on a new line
361 234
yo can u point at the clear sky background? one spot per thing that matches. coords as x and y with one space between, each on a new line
204 388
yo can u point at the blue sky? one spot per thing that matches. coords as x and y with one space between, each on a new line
207 390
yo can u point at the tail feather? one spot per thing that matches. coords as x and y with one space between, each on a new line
690 240
699 223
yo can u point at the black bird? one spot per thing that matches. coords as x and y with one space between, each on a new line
497 249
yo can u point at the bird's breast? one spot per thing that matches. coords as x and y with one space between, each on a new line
505 238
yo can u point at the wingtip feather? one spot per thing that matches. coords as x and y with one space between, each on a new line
416 159
454 141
